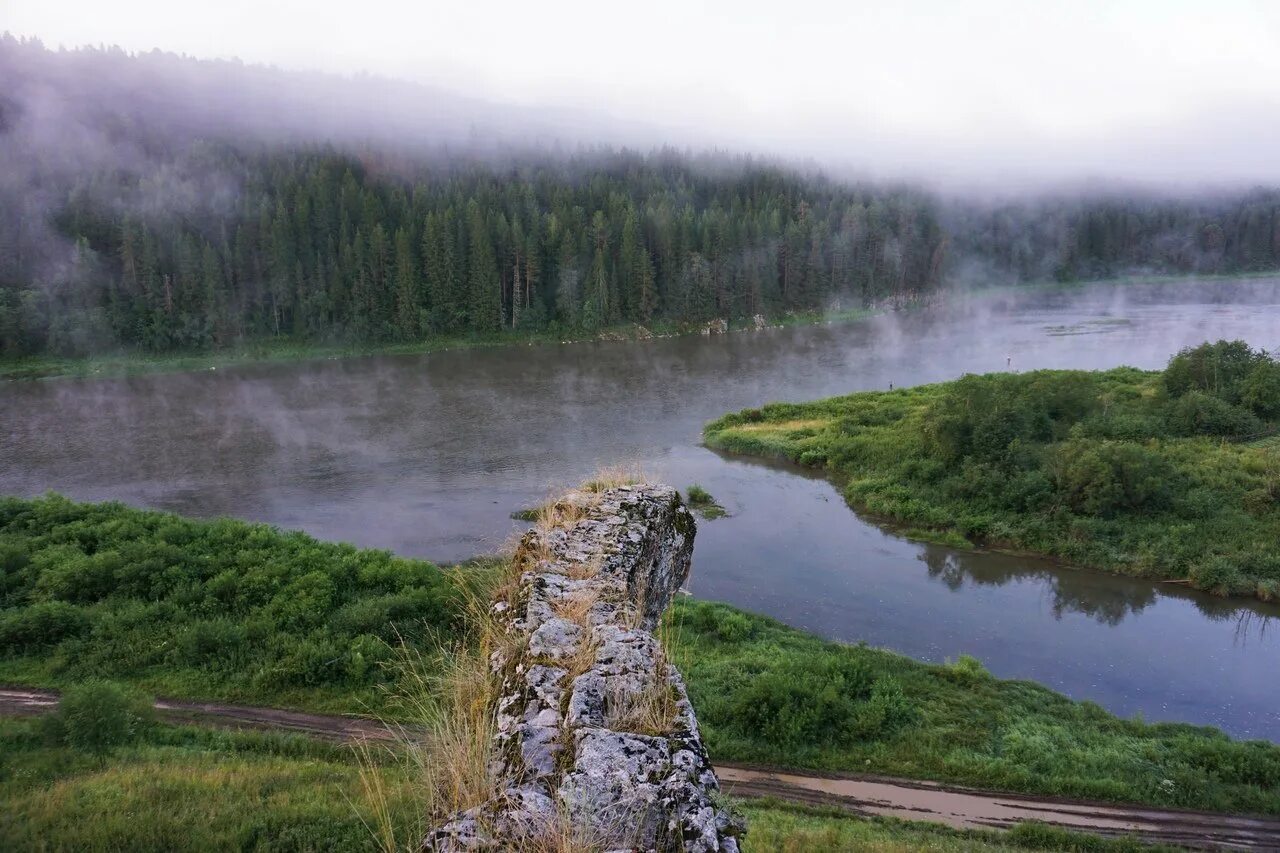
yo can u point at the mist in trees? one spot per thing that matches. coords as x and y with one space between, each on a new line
131 221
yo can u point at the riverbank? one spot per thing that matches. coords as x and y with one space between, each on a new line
281 350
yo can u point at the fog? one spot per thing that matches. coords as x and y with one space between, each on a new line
990 96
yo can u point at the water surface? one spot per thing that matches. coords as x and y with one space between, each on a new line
429 454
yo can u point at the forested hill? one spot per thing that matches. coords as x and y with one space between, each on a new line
159 218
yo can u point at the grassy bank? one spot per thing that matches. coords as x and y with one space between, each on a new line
207 609
769 694
193 789
183 788
796 829
283 350
1145 473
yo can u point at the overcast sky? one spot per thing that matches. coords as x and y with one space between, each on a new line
1160 91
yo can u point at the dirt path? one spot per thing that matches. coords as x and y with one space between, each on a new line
973 809
867 795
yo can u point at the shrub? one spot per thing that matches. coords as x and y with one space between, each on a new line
42 624
98 716
244 610
1103 478
733 627
968 668
1218 369
811 704
1197 413
1261 390
1218 574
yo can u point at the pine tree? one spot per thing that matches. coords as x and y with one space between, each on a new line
485 288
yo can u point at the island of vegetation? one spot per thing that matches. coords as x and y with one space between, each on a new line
1173 474
701 501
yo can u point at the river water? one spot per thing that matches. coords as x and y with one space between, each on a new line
428 455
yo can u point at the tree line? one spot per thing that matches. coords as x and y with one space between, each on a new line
322 245
132 219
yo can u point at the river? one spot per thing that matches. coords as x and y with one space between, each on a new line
428 455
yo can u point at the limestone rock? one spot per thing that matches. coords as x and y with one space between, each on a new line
590 674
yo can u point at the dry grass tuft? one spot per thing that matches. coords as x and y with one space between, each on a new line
649 711
577 605
446 705
584 657
614 476
565 512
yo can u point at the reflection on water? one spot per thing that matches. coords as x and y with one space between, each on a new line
1105 598
1071 592
429 455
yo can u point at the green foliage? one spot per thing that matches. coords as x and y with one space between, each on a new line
699 496
779 826
1119 469
182 788
775 695
704 504
1218 369
210 608
44 623
1104 478
98 716
968 668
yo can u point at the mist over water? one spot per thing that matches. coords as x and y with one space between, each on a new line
428 455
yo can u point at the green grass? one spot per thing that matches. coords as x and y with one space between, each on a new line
185 788
701 502
769 694
1124 470
208 609
787 828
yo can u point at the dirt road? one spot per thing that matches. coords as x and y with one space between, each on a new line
973 809
867 795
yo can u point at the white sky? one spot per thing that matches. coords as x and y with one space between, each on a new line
1160 90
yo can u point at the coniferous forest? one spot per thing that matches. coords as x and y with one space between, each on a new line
130 223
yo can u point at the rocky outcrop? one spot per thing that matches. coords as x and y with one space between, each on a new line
596 741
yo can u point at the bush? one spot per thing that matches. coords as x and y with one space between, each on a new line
832 702
733 627
1218 369
968 668
245 611
42 624
1104 478
1261 390
98 716
1197 413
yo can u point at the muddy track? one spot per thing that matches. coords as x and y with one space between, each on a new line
963 808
